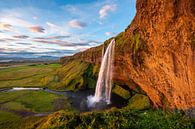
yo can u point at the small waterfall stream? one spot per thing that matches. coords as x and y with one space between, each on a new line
104 82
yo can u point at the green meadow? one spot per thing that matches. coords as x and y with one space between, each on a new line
23 107
35 75
17 106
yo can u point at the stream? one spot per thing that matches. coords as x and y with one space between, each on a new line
78 100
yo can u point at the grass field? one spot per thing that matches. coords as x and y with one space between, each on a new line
17 106
32 101
36 75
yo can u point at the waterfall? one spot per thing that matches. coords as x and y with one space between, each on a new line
104 82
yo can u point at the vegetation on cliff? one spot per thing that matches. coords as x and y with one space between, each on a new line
116 119
76 75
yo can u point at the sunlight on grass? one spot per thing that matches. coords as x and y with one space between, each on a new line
28 76
35 101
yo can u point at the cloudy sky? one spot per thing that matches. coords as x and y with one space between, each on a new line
60 27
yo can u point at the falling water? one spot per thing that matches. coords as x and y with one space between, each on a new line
104 82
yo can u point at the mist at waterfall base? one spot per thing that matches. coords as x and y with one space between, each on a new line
104 83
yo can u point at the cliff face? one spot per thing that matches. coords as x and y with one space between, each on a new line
156 52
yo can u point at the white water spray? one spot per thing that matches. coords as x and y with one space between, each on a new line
104 82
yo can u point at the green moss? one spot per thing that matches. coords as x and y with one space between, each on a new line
77 75
121 39
121 92
139 102
135 43
70 75
96 70
90 76
137 47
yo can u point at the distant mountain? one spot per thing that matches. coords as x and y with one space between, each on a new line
24 55
6 59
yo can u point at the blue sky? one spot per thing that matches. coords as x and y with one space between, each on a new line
60 27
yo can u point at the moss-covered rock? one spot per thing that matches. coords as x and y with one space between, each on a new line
121 92
90 76
139 102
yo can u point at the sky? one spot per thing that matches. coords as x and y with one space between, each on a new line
60 27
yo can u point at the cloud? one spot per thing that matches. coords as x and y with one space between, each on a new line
10 24
54 37
7 39
53 29
105 9
92 42
52 25
62 43
21 43
2 40
5 26
77 24
35 18
56 25
21 36
109 33
36 29
2 49
59 37
15 21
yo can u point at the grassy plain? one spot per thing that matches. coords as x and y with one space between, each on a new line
35 75
17 106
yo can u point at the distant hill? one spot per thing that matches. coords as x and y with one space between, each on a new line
6 59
